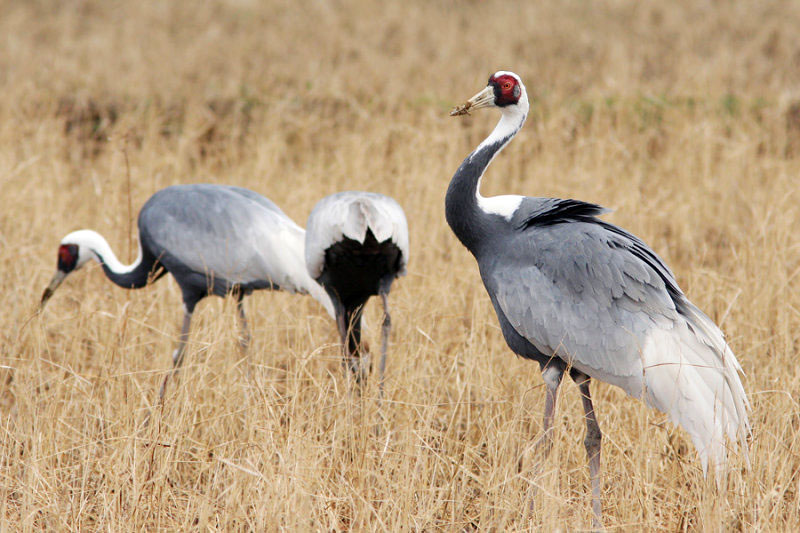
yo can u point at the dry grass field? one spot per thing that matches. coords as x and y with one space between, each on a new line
684 117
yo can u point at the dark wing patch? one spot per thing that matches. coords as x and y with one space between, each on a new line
556 211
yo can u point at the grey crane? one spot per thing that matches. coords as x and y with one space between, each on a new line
213 239
577 294
356 245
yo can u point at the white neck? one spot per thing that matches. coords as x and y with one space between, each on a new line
319 294
510 123
294 275
100 250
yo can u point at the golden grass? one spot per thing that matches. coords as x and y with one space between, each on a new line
683 117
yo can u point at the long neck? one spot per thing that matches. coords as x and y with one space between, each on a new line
462 208
318 293
295 271
133 276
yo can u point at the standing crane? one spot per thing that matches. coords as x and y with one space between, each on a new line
356 245
213 239
577 294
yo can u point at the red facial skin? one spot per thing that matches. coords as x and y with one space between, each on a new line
67 257
506 90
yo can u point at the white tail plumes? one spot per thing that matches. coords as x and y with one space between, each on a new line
350 214
691 374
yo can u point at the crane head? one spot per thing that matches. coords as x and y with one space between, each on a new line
504 89
70 258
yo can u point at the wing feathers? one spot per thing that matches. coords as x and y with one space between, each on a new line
605 303
553 211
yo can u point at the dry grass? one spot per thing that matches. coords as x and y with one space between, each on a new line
684 117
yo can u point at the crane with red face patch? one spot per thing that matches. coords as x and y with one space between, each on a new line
214 240
579 295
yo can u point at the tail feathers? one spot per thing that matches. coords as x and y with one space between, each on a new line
363 215
691 374
710 335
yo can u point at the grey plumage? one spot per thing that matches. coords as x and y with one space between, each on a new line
578 294
593 295
213 239
221 237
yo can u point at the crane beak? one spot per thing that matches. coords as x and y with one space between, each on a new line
485 98
58 277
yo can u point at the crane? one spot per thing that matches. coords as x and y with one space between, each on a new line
356 245
213 239
579 295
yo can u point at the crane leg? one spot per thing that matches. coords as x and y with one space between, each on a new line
341 325
552 375
344 323
592 443
244 336
357 360
386 328
180 351
348 320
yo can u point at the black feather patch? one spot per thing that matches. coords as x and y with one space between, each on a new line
562 211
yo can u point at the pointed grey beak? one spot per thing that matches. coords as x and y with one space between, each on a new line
485 98
58 277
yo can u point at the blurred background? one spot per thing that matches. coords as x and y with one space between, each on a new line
683 117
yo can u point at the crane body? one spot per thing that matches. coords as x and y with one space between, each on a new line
577 294
214 240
